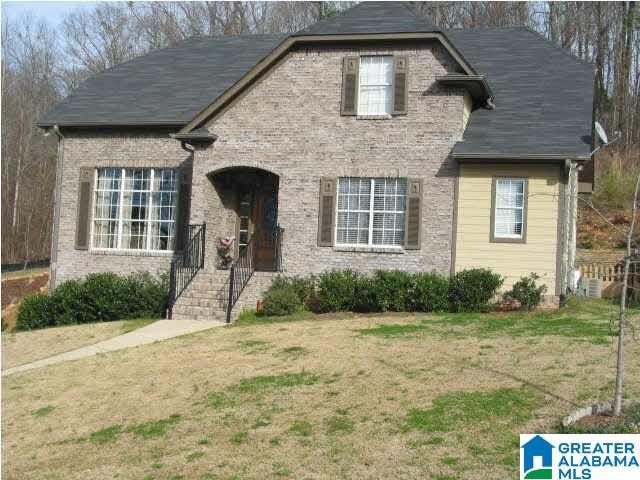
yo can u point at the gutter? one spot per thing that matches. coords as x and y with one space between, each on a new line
476 85
461 157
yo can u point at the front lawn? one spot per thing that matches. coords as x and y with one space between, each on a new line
340 396
19 348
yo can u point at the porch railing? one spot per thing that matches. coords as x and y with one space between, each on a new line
187 263
247 262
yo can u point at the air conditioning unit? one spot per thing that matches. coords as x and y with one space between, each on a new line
594 288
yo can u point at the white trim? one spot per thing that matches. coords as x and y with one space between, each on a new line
496 207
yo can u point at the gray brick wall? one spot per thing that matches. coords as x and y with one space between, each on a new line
289 123
116 149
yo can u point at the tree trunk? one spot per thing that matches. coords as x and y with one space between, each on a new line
617 396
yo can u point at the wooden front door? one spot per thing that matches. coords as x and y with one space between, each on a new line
257 211
265 221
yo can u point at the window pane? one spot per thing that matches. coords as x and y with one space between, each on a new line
141 203
388 219
355 211
375 89
509 204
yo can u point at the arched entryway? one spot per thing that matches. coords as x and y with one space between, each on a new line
251 194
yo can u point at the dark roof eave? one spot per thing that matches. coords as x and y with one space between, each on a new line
199 136
161 123
476 85
506 157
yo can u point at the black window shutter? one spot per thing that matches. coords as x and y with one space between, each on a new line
413 215
83 220
182 220
326 216
401 68
350 68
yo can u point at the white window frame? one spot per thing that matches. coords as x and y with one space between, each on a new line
371 213
389 87
120 220
496 206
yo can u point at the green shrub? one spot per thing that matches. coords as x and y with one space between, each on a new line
527 292
471 290
304 287
365 295
336 291
100 297
281 299
393 289
430 293
36 311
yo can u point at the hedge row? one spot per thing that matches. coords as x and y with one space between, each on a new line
386 290
101 297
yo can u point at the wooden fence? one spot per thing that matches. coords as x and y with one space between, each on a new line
607 266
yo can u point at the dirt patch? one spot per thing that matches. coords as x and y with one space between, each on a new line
595 420
15 287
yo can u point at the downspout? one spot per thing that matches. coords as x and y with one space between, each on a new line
57 200
571 203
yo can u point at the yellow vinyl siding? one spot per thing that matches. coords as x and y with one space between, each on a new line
512 260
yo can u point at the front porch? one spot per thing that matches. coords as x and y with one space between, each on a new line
238 250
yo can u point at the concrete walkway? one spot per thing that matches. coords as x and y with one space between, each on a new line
157 331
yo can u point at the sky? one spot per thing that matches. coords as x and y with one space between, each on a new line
52 11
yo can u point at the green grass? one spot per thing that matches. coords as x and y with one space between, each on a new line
106 435
192 457
293 352
255 388
136 323
394 330
250 347
339 424
240 437
43 411
582 320
452 410
301 428
250 317
156 428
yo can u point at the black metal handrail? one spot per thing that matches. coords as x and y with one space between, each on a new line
243 267
187 263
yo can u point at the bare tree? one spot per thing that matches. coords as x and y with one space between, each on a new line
622 320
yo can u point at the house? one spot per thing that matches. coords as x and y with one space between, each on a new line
370 140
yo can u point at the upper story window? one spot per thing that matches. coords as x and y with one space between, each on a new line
509 202
375 95
135 209
371 211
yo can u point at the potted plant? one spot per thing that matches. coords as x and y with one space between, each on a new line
225 256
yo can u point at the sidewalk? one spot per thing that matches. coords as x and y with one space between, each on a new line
157 331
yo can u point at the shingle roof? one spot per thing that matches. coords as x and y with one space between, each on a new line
167 86
543 95
371 17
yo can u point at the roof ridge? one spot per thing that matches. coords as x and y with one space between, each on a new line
485 27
